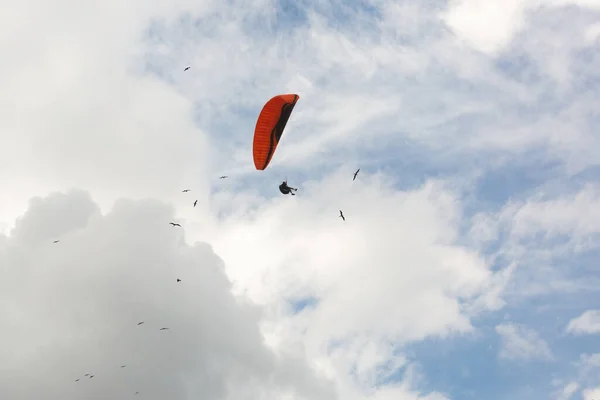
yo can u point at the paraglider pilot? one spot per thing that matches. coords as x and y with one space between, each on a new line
285 189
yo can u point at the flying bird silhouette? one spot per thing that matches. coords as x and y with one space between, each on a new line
186 68
56 241
174 224
342 215
185 190
163 329
223 177
77 380
195 202
123 366
139 323
91 376
178 280
356 173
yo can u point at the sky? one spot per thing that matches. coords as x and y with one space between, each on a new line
467 266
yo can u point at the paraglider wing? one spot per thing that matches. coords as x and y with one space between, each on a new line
269 127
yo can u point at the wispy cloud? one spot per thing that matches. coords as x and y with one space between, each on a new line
520 342
568 391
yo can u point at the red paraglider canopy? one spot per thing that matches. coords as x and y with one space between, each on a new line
269 128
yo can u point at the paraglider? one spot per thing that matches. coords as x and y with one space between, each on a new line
269 128
285 189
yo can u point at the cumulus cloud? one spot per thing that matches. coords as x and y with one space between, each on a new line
520 342
391 274
586 323
72 308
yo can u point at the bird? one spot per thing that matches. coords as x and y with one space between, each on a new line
186 68
123 366
185 190
196 202
163 329
174 224
87 375
139 323
356 173
136 392
342 215
56 241
91 376
223 177
178 280
77 380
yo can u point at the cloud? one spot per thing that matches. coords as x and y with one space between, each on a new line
567 391
489 26
78 107
588 366
430 99
541 232
300 259
519 342
586 323
591 394
391 274
72 308
572 214
499 21
583 378
588 362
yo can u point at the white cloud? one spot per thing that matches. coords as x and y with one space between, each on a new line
389 275
490 25
585 379
576 214
589 362
586 323
568 391
72 308
79 108
520 342
591 394
486 25
540 229
393 232
592 33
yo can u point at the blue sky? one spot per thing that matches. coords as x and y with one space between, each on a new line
471 240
